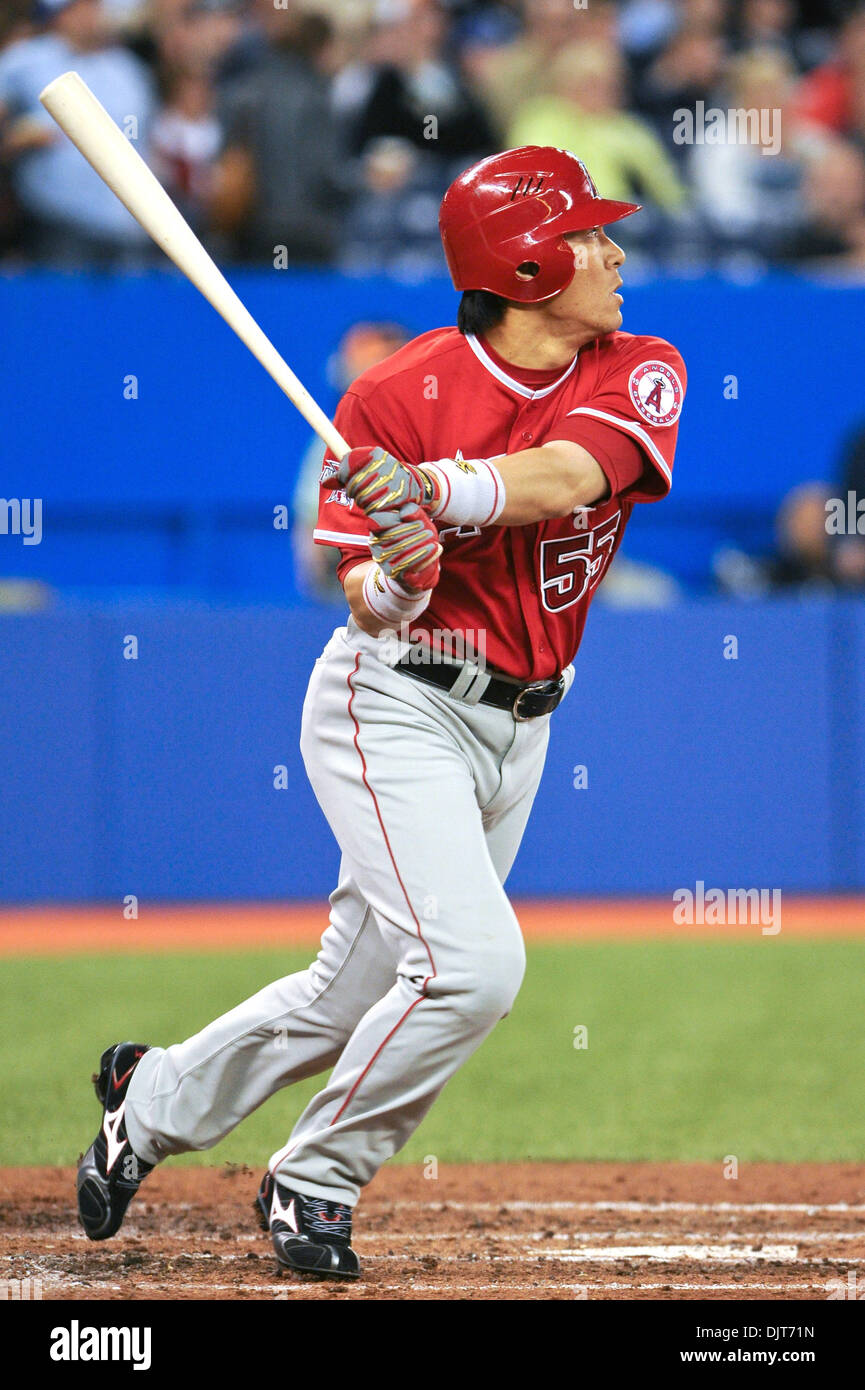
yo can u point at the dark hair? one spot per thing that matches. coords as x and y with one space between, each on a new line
479 311
306 36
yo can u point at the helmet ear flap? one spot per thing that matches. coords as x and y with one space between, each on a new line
547 270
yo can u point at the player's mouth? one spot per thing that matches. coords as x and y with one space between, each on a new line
614 293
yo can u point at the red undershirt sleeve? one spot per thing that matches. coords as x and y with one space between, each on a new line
347 562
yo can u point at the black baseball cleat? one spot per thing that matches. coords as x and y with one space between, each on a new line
310 1236
110 1174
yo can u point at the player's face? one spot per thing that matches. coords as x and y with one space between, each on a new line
592 299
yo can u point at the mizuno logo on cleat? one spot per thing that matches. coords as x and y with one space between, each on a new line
111 1129
280 1213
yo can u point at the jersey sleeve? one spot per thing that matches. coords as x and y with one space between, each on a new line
631 423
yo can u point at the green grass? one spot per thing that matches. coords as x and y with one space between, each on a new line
695 1051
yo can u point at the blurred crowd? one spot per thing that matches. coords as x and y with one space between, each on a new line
819 543
323 132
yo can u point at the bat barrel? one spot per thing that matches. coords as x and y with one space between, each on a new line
84 119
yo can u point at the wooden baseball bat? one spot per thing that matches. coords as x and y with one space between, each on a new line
84 119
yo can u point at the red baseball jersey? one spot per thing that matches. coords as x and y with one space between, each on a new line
527 589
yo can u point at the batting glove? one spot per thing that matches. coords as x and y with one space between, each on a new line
380 483
408 550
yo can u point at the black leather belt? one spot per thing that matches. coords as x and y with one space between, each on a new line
524 701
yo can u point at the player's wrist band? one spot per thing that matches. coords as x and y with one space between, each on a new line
387 600
471 491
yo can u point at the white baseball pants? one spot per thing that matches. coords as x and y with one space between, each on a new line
428 797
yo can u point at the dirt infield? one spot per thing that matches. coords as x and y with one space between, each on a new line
243 926
520 1231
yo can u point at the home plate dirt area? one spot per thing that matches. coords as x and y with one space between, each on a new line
508 1231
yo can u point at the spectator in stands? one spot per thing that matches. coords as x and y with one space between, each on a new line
186 134
520 70
689 69
76 220
583 111
832 235
772 24
236 33
415 92
13 26
14 23
803 558
704 14
364 345
232 38
750 199
125 15
644 28
218 26
280 184
481 39
833 95
849 548
393 225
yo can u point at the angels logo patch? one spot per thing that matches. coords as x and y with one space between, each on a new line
656 391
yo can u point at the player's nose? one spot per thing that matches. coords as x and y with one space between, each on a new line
614 256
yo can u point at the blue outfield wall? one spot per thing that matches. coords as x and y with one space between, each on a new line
155 776
177 487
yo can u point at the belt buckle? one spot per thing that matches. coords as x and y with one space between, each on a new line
531 690
526 690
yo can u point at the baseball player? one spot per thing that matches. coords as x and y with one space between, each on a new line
493 470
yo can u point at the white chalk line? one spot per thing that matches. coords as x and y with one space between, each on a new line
651 1254
728 1254
363 1238
705 1246
648 1208
303 1290
806 1208
724 1254
663 1236
614 1253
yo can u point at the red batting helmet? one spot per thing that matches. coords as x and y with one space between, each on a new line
513 209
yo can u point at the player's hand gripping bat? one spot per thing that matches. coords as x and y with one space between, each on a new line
84 119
